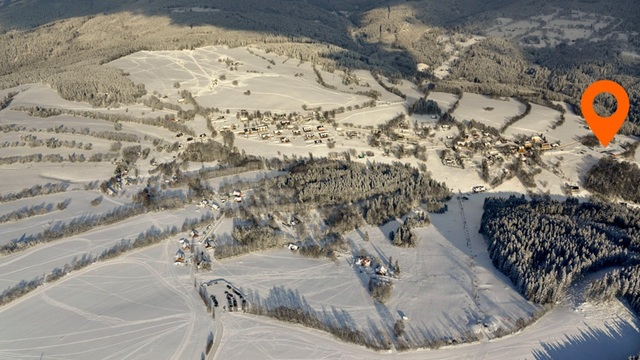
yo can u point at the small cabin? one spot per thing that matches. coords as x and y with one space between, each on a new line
381 270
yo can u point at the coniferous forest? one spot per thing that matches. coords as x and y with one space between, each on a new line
544 245
610 177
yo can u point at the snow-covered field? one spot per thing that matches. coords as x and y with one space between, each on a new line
135 307
142 306
214 83
491 112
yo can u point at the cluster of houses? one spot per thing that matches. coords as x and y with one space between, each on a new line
237 196
204 203
181 258
187 245
365 261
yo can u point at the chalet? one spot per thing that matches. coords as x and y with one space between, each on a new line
194 233
479 188
309 136
237 199
293 247
180 257
186 245
284 139
237 193
307 128
324 134
363 261
381 270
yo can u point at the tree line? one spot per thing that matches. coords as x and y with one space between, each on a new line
543 245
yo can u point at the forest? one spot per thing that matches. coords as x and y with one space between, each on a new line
544 245
613 178
384 191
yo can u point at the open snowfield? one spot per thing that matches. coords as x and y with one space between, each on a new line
371 116
538 121
491 112
272 87
135 307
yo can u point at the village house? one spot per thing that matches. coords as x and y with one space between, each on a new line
180 257
381 270
363 261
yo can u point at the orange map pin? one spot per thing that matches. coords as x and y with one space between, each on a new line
605 128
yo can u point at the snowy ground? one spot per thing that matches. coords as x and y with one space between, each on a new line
272 86
143 306
136 307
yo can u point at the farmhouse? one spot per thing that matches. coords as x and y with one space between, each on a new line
180 257
363 261
185 245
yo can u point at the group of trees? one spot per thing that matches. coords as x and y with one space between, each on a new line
6 101
405 236
613 178
384 191
29 211
624 283
543 245
380 289
36 190
425 107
